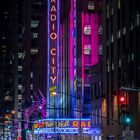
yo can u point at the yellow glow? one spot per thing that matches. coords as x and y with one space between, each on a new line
53 93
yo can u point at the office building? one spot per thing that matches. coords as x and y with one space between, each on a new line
121 64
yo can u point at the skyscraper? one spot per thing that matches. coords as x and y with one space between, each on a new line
120 64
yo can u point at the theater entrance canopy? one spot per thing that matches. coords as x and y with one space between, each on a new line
65 126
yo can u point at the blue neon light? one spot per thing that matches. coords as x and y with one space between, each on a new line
91 131
58 49
48 87
63 119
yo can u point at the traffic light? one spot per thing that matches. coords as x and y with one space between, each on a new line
127 119
122 104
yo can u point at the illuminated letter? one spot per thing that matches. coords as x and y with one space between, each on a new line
53 51
83 124
53 8
53 60
53 1
75 124
53 69
53 79
89 124
53 36
53 17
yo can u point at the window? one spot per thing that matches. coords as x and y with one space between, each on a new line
34 35
100 30
137 19
87 30
91 5
20 55
34 23
87 49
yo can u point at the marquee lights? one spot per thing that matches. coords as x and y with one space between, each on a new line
65 126
63 123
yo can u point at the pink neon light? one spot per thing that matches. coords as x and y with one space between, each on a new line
71 45
94 36
91 20
83 41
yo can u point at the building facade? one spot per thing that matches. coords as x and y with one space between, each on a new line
68 47
120 65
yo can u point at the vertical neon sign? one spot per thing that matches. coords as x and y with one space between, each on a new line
53 49
53 44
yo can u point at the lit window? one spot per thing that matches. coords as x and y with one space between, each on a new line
34 51
119 4
100 30
137 19
112 38
120 62
19 87
20 55
107 65
10 62
87 30
124 30
34 23
112 66
87 49
100 49
8 98
35 35
20 96
19 114
132 56
31 87
91 5
19 68
119 34
31 75
112 11
132 26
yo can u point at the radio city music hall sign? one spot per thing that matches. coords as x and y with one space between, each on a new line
53 43
65 126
